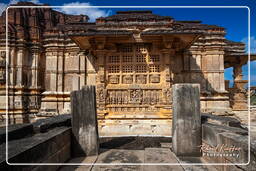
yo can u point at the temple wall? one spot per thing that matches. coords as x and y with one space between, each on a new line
205 65
64 72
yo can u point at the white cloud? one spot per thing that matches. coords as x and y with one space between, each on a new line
92 13
35 1
3 6
13 1
252 43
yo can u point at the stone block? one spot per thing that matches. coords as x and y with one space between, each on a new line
220 120
186 127
43 125
84 122
39 148
210 132
16 131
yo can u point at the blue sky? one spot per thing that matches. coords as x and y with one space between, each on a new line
234 20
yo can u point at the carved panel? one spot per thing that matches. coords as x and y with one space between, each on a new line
2 58
133 96
114 79
2 66
127 79
155 78
134 80
2 76
141 79
101 78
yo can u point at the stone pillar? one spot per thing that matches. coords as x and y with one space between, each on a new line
239 99
101 81
34 97
84 122
20 63
186 126
90 70
34 68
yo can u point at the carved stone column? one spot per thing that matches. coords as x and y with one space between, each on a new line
101 91
238 97
166 55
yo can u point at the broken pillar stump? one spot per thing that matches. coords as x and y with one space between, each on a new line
186 124
85 141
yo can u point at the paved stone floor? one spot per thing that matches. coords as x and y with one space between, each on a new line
149 155
139 151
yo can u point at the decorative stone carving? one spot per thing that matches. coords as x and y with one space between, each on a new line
2 66
101 94
136 96
167 95
141 79
2 76
155 78
127 79
168 78
101 78
2 57
114 79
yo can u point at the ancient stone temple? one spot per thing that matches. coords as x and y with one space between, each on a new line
133 58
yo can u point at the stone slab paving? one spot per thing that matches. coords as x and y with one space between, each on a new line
161 155
149 155
197 160
89 160
137 150
119 156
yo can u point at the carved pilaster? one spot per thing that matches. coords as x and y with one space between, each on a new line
101 81
167 55
35 68
20 66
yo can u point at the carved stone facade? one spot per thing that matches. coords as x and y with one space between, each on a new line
133 58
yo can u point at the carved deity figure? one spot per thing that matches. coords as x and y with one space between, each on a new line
136 96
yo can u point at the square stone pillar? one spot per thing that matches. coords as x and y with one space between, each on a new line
85 141
186 124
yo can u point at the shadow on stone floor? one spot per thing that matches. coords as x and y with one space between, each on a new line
134 143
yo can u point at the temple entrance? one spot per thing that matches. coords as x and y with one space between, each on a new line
136 83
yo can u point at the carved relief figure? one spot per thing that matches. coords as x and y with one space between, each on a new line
141 79
136 96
